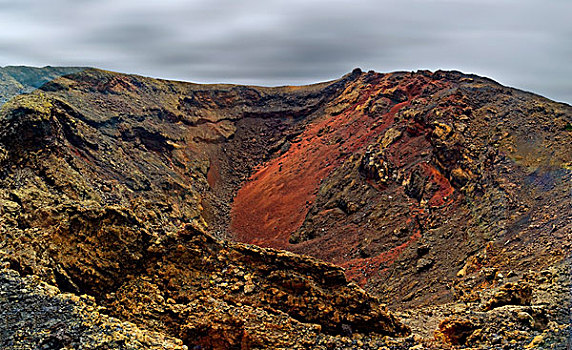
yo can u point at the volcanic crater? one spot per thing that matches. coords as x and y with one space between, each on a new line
404 210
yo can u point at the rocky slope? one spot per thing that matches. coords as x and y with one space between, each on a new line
445 196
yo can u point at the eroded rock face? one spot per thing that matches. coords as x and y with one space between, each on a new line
250 291
194 287
438 193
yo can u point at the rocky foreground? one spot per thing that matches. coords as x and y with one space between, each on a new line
123 201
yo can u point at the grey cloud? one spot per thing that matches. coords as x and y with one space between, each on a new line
525 43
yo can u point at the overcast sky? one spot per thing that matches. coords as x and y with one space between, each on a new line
521 43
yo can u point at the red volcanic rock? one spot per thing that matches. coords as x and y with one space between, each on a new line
400 160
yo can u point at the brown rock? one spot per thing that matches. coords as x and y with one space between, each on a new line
455 331
519 293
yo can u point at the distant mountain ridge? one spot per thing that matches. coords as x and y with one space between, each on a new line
15 80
